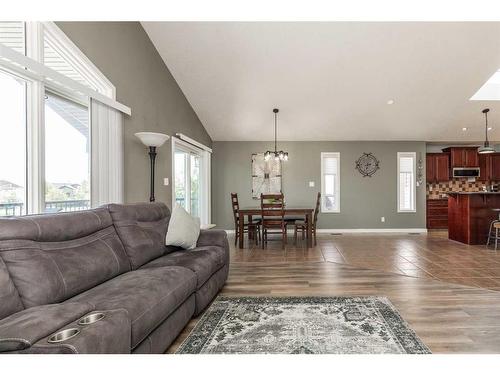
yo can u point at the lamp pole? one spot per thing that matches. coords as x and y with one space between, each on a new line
152 158
152 141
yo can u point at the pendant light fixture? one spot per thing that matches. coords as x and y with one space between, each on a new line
278 155
486 149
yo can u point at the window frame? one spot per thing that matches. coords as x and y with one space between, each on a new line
31 69
412 155
336 210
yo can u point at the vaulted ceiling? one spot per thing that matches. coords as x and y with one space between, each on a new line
332 81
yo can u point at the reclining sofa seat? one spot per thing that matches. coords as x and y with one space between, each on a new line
54 269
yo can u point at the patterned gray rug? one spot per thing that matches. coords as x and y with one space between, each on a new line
288 325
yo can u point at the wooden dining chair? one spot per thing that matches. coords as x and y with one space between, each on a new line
301 225
251 227
272 210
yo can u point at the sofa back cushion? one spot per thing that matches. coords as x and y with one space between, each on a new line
51 258
10 302
142 228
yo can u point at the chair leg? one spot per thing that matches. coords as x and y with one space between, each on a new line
489 235
496 238
314 234
295 236
264 236
283 236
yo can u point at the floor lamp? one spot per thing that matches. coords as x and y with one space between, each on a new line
152 140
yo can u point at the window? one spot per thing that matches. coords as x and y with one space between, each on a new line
49 91
406 181
67 155
12 146
330 182
191 182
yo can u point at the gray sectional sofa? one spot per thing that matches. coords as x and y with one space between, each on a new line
110 265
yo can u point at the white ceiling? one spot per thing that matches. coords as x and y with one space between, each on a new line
332 81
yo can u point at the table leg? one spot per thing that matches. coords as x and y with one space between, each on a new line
250 233
309 230
241 229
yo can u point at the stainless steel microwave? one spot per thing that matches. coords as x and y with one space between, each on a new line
466 172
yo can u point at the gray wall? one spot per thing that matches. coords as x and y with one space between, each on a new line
363 199
126 56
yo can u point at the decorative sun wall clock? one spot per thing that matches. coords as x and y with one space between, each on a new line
367 164
266 176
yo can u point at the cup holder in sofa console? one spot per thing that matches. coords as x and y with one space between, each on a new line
63 335
91 318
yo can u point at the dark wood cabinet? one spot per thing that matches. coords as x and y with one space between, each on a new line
430 168
463 157
470 215
437 167
484 167
489 165
442 167
495 167
437 213
471 158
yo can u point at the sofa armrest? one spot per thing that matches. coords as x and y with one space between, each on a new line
111 335
21 330
213 237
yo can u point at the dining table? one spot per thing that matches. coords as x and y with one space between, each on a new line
306 212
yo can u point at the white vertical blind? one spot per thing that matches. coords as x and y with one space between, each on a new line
330 182
107 154
406 182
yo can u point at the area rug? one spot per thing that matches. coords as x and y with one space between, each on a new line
288 325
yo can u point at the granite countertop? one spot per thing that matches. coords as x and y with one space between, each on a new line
472 192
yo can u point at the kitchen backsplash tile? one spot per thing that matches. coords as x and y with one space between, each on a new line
439 189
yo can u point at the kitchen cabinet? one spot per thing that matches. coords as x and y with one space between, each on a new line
470 215
437 213
437 167
489 165
495 167
463 157
484 167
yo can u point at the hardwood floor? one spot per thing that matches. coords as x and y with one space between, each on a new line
430 280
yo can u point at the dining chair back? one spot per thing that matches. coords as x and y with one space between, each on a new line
301 225
272 208
252 227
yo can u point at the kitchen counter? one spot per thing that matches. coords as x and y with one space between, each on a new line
472 192
470 215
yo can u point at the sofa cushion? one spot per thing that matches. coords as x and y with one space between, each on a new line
10 302
203 261
148 295
183 229
51 258
142 228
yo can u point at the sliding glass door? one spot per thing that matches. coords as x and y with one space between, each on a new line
191 183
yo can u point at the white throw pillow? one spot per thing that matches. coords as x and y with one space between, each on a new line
183 229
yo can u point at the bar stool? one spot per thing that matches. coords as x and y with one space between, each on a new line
493 233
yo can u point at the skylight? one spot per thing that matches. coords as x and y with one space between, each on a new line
490 90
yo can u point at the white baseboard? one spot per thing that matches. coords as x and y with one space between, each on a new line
374 230
357 230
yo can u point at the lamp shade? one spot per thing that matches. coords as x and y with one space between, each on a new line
486 150
151 139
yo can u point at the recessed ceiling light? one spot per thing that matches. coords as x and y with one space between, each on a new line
490 128
390 101
464 129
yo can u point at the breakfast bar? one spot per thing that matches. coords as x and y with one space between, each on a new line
470 215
